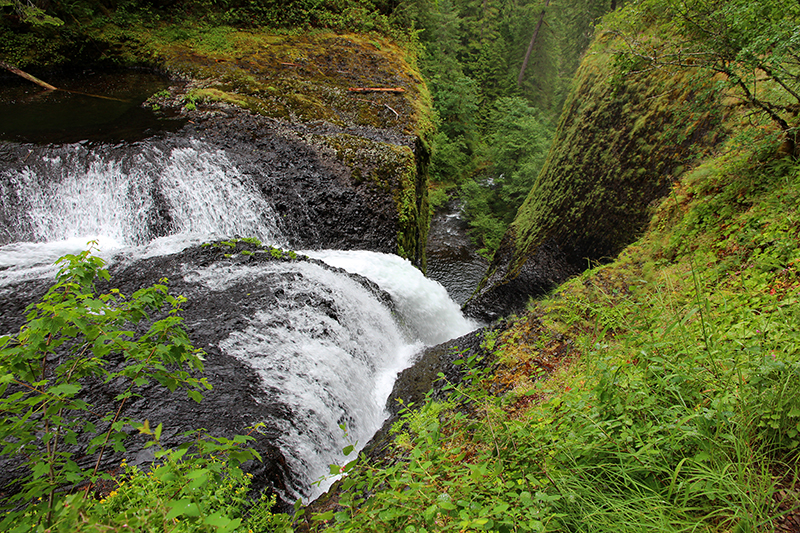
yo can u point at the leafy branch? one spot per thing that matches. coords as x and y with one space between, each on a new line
74 337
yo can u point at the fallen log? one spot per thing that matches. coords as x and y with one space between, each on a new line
376 90
49 87
27 76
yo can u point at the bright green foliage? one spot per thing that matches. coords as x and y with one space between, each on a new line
691 397
517 148
433 485
197 487
753 44
681 411
73 335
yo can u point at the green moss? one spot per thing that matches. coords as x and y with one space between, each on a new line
615 150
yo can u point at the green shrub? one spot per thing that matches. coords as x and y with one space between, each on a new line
74 336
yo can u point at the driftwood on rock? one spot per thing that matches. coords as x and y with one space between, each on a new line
376 90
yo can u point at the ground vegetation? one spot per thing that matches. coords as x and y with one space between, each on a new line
655 393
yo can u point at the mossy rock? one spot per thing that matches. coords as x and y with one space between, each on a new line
619 143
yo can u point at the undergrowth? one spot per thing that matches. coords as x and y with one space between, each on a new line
672 401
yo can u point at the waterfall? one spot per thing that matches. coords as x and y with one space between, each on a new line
325 344
331 350
423 304
126 196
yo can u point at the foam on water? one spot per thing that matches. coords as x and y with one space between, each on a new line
143 201
422 302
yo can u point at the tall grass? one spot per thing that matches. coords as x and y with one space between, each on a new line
680 410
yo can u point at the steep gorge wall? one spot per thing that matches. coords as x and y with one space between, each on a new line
622 138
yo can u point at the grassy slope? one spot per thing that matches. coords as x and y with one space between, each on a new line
660 392
672 400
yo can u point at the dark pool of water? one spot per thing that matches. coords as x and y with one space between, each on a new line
452 258
29 113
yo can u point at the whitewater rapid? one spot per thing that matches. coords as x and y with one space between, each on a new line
329 349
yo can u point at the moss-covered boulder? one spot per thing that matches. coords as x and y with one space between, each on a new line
622 138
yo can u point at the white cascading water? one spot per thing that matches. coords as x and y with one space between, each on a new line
74 196
334 364
331 365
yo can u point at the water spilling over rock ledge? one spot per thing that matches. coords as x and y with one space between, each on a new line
291 343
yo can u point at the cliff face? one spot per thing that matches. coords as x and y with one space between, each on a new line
344 169
369 149
620 143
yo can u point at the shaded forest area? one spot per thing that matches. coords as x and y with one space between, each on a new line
499 72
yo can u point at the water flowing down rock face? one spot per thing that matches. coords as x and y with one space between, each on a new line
302 347
239 175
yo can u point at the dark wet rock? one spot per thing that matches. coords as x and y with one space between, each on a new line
238 400
502 293
452 257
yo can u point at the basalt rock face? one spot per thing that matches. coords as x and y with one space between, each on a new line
330 187
621 140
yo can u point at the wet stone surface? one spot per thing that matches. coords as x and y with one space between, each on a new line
452 259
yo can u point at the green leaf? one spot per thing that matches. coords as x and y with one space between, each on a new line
222 522
323 516
702 457
64 389
195 395
182 507
144 429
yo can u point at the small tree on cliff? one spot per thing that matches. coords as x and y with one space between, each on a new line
753 46
31 13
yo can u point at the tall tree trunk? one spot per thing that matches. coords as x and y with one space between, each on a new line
483 19
530 45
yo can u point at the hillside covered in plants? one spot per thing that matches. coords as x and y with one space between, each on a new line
657 390
648 378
